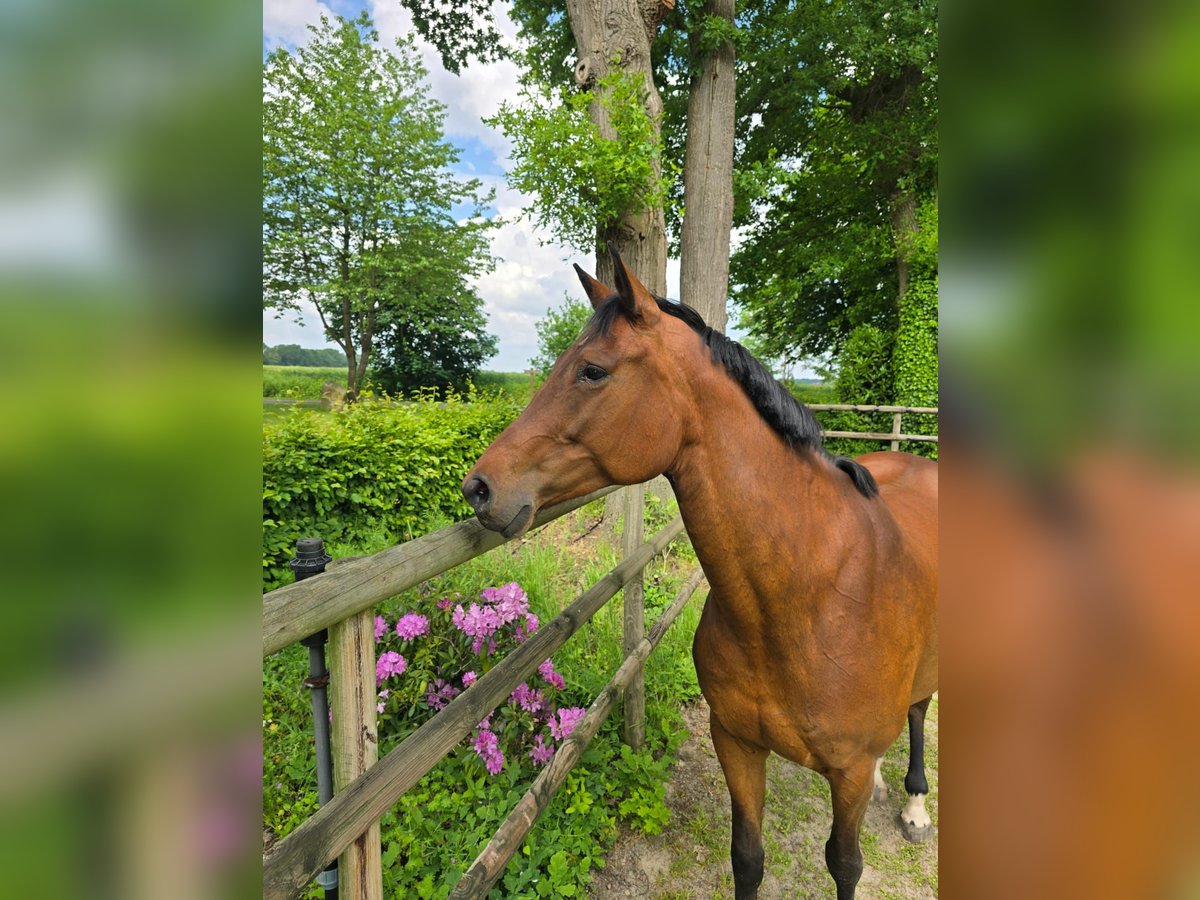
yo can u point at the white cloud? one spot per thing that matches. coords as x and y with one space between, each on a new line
286 21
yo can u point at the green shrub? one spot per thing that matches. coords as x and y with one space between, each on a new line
371 467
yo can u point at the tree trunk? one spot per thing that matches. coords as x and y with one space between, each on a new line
624 29
904 227
708 179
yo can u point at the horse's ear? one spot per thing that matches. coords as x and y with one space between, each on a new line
636 302
597 291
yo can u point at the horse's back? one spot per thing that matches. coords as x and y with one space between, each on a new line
909 486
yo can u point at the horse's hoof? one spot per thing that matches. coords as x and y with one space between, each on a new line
880 793
913 833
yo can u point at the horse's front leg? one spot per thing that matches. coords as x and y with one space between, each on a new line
851 788
745 768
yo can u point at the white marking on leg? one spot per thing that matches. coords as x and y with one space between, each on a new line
914 812
881 788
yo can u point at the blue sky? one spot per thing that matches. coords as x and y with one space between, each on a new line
532 273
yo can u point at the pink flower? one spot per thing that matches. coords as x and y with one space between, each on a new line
411 626
529 700
390 663
479 622
564 723
541 754
509 601
469 678
383 695
444 603
381 627
487 746
546 670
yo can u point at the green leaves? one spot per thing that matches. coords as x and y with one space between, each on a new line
579 178
371 468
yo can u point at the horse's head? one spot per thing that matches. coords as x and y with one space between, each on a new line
608 414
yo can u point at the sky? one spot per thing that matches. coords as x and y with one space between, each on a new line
533 273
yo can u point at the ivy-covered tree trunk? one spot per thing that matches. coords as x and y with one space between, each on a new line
621 32
708 167
915 357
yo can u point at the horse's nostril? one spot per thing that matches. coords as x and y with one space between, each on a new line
477 492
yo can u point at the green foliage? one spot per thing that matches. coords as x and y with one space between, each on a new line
300 382
557 331
915 358
346 475
577 177
460 31
295 355
358 205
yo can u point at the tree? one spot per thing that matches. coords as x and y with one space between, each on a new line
557 331
358 201
688 63
837 158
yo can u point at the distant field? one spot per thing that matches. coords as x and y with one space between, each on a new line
300 382
514 384
305 382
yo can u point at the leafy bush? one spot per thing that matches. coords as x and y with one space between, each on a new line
371 467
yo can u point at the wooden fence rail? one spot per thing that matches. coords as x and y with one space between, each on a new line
356 585
895 436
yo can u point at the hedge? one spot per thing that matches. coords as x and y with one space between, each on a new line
349 475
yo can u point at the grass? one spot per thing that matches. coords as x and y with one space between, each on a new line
300 382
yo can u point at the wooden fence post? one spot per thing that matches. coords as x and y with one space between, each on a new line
355 743
896 417
631 539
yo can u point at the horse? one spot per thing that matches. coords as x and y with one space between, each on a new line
818 637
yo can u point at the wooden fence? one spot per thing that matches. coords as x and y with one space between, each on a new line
342 600
895 436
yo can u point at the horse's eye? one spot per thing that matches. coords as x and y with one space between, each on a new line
592 374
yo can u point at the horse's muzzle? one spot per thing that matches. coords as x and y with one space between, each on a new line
478 491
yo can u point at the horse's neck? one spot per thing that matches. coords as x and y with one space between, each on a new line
752 504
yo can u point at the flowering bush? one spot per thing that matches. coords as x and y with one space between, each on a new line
426 658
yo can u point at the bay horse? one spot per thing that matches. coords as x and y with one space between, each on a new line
818 636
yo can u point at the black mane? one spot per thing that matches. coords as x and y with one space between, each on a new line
790 418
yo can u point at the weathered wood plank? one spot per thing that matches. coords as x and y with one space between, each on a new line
298 610
634 730
306 850
355 743
490 863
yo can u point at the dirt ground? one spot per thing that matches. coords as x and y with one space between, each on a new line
691 858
